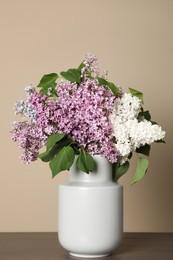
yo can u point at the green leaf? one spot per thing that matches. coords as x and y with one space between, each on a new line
62 161
145 150
48 81
52 139
145 114
44 91
50 92
137 93
85 162
75 148
120 170
49 155
109 84
141 169
72 75
130 155
153 122
160 141
81 66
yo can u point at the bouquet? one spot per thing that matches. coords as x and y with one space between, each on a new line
79 113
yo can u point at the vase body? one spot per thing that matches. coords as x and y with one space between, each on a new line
90 212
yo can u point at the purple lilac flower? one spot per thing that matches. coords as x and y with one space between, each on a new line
30 138
90 62
82 112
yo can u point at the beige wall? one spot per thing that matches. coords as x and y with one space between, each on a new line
134 41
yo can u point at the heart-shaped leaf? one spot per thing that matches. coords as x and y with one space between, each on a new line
141 169
120 170
137 93
49 155
48 80
145 150
53 139
72 75
109 84
62 161
85 162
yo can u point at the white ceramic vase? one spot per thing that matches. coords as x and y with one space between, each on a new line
90 212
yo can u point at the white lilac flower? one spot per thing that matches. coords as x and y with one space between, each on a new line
29 90
144 132
128 132
25 108
127 107
19 106
29 111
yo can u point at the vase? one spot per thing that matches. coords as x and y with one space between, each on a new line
90 212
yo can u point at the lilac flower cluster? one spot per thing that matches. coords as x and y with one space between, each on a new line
87 114
90 66
25 108
82 112
130 132
84 116
29 137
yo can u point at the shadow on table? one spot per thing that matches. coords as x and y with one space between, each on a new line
132 243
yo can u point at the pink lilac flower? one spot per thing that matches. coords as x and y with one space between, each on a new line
82 112
90 62
30 138
83 115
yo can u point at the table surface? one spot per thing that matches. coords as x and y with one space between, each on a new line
45 246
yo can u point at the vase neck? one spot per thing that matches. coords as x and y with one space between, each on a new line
101 174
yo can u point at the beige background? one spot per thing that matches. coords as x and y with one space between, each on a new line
134 41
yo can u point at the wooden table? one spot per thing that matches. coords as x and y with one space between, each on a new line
45 246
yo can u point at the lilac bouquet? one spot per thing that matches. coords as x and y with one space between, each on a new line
79 113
